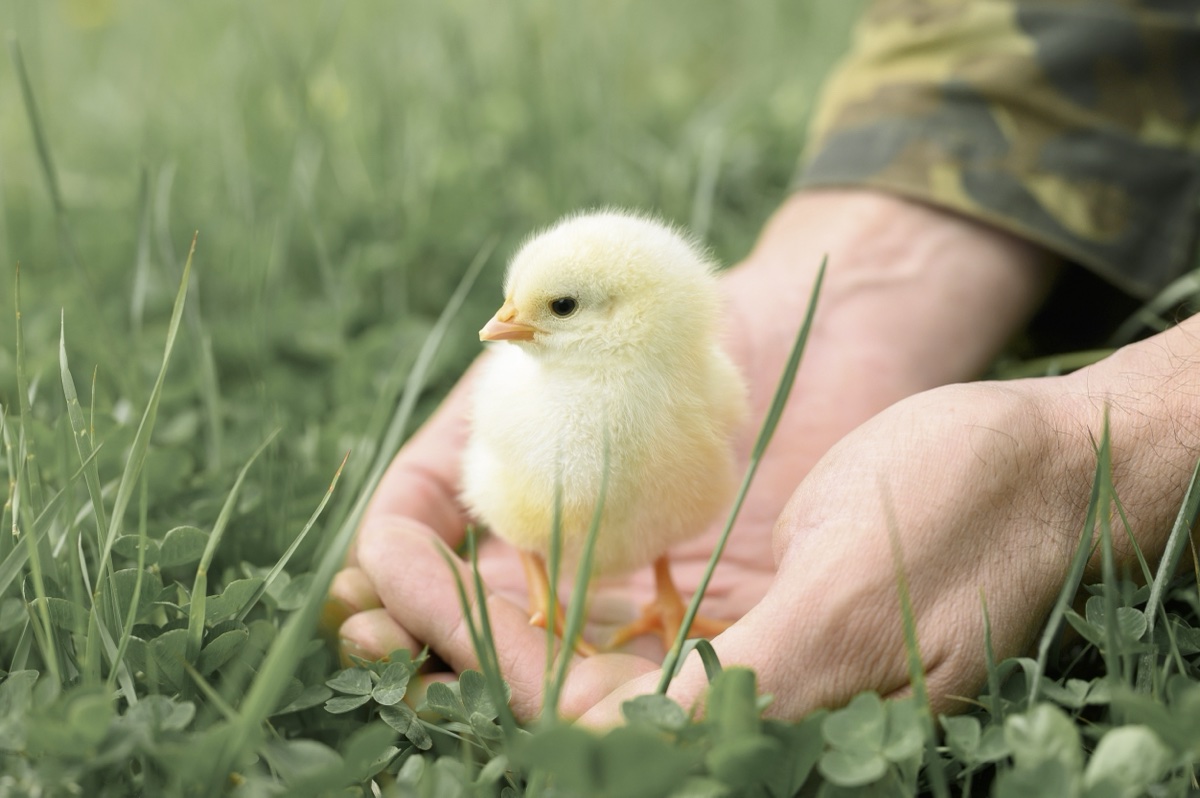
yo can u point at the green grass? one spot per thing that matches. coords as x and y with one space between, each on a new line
176 410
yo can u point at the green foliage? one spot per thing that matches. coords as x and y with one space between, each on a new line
351 168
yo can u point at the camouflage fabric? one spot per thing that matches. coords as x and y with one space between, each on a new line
1074 123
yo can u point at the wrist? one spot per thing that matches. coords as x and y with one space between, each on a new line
914 297
1151 397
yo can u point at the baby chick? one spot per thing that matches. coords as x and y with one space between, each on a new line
609 340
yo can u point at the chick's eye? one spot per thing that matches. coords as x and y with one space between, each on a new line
563 306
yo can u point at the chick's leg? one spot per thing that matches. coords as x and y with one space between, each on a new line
665 614
538 582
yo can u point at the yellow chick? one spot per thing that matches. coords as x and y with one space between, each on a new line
608 333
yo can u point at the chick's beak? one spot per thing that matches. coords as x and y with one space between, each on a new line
504 327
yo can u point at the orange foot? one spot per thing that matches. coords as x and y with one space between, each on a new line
665 614
539 601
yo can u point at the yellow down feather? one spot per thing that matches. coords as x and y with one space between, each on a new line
635 362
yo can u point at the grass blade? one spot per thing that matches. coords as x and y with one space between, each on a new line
996 706
486 642
215 698
1147 574
10 566
1052 364
200 585
44 633
282 658
210 388
1185 521
1112 652
482 639
916 669
40 140
1150 315
141 439
96 318
778 403
575 612
6 541
1177 542
553 569
82 435
135 599
1069 589
141 263
287 555
708 655
22 378
138 452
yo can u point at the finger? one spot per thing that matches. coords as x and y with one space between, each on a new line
350 592
372 635
418 686
405 562
422 481
593 680
688 688
812 644
597 689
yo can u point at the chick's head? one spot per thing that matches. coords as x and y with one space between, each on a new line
607 283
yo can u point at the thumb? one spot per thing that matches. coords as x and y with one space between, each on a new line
745 644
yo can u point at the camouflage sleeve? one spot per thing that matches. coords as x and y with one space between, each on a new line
1074 123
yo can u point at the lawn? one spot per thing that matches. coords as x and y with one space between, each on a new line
231 236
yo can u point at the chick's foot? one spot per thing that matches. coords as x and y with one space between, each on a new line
539 601
665 614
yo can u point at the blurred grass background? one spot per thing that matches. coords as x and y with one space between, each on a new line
343 162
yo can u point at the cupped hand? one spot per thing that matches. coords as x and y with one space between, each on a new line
975 493
902 281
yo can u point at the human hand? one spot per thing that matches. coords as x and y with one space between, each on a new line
982 492
903 280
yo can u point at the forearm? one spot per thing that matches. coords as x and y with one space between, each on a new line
914 297
1033 117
